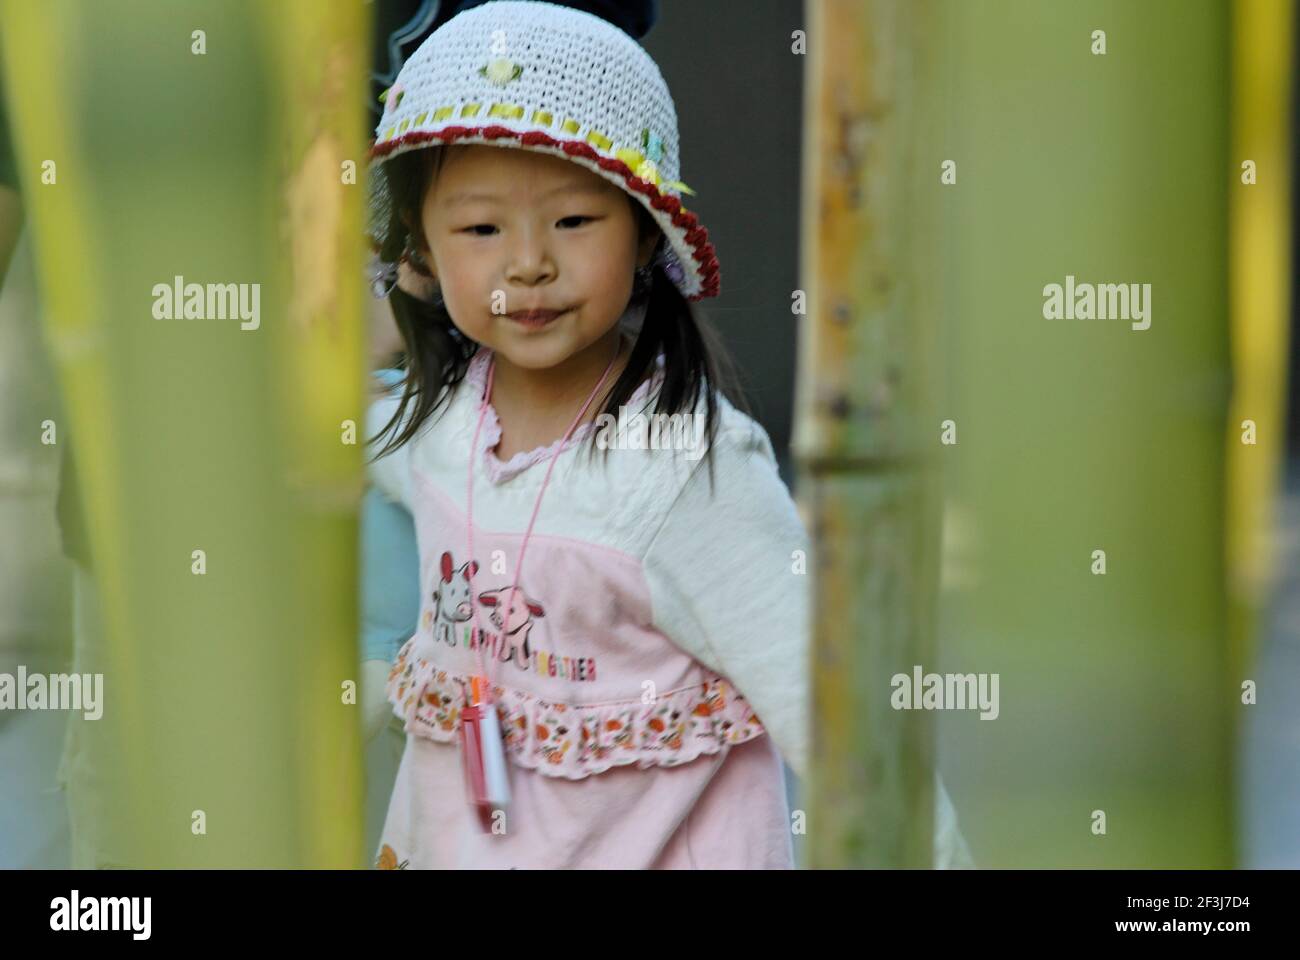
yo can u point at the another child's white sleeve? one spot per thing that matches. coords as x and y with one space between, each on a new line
391 473
727 580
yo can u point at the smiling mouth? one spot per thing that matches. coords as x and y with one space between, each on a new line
535 318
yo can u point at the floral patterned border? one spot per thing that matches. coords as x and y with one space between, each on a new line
575 741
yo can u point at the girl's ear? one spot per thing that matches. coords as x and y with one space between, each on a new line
417 285
416 255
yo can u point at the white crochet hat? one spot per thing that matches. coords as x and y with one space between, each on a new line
537 76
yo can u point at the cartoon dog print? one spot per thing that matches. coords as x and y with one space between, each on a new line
514 624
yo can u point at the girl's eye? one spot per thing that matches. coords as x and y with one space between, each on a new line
478 227
576 217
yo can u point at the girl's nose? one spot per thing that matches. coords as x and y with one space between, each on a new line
531 263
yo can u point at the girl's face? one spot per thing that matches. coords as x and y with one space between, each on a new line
512 230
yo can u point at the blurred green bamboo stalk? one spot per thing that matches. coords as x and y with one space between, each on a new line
217 157
1259 223
866 473
1070 155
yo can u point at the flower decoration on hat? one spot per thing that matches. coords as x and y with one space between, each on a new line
392 97
501 71
672 266
652 144
645 166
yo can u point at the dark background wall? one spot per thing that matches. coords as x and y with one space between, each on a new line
739 96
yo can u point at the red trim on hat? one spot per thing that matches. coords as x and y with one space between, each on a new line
696 235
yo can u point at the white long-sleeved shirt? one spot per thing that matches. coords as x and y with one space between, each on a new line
658 653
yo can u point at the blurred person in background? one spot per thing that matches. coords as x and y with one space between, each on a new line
34 586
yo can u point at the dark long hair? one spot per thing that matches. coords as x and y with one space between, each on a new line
437 354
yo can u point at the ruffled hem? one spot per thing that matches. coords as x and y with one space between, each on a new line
575 741
498 470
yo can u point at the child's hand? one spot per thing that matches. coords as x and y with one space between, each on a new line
376 710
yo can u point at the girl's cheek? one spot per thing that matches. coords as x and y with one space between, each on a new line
471 313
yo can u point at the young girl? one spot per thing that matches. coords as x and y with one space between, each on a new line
610 662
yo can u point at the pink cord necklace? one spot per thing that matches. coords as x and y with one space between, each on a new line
482 751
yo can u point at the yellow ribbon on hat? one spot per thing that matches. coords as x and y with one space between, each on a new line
646 170
641 167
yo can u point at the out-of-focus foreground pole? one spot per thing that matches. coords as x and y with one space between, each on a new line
206 143
862 438
1259 220
1092 152
962 159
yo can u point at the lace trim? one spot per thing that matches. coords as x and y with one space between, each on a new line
575 741
498 470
